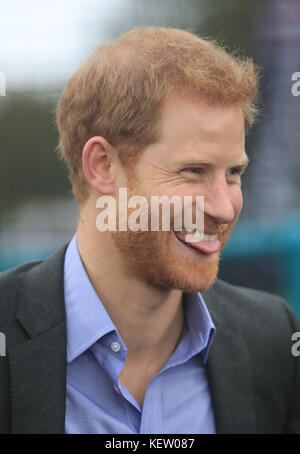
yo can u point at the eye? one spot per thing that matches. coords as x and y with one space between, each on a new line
236 172
194 170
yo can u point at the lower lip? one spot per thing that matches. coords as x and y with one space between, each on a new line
206 252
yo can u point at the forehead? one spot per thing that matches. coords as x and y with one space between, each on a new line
192 119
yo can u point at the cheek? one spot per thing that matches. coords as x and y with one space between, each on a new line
237 201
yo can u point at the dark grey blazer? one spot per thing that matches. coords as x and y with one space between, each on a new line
254 378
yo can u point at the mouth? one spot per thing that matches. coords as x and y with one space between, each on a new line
209 244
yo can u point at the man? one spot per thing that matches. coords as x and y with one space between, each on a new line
130 331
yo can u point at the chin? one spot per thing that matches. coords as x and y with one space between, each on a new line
184 274
189 270
196 281
200 286
183 282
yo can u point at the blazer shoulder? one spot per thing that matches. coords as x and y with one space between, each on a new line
13 273
249 295
34 276
255 306
10 284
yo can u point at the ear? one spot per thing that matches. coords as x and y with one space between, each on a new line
97 159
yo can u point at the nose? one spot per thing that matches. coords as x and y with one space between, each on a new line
218 202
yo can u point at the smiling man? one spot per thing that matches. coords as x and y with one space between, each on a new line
125 331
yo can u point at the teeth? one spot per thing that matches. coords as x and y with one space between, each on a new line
190 230
194 232
210 237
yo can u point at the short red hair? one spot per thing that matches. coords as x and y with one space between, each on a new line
118 91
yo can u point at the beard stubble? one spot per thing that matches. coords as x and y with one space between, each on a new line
156 258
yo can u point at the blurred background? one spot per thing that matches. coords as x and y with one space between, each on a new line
43 43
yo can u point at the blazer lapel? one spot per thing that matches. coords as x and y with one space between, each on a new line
38 365
228 371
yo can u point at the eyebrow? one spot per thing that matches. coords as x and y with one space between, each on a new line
190 161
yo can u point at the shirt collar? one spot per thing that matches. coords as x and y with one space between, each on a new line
88 320
201 327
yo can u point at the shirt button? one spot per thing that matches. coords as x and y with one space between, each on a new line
115 346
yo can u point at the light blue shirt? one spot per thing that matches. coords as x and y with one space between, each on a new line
177 400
